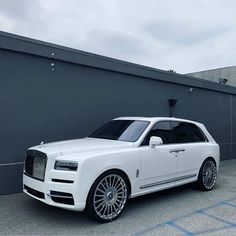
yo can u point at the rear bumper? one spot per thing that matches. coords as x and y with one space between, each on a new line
58 194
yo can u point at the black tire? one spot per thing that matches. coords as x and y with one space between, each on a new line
107 197
207 175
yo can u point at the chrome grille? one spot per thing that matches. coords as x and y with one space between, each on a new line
35 164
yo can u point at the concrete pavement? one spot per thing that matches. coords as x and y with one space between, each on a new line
180 211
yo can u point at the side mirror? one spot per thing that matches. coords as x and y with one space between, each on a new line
155 141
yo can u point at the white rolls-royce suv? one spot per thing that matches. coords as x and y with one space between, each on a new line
125 158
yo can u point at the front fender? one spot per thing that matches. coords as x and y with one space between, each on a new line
93 167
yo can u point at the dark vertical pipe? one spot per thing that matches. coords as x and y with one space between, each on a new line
172 103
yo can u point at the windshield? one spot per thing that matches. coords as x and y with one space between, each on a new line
122 130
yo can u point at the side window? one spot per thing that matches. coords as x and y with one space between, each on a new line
181 132
197 134
184 132
161 129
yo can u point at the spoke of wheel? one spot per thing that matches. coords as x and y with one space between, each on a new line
99 205
114 179
99 195
116 206
120 188
101 190
119 201
99 212
106 183
110 181
103 186
117 183
112 212
121 194
104 213
120 198
96 201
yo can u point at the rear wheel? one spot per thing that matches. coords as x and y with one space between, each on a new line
107 197
207 175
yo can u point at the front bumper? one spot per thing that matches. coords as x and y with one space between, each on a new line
59 194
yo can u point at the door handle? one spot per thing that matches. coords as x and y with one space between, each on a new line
177 150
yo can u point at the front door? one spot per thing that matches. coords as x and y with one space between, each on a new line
159 164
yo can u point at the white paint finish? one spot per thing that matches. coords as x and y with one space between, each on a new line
191 159
159 167
81 146
157 164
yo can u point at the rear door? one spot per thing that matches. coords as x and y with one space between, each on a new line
190 143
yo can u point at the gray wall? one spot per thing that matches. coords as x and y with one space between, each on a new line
84 91
228 73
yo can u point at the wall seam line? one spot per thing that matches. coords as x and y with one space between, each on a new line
11 164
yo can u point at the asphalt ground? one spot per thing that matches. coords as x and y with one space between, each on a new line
183 210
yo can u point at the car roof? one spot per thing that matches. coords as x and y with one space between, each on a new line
154 119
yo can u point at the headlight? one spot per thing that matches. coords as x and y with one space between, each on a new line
66 165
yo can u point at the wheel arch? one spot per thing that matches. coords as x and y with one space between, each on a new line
200 181
207 158
125 175
210 158
90 209
122 172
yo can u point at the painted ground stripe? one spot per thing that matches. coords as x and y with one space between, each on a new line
148 230
201 211
217 218
212 230
228 203
181 229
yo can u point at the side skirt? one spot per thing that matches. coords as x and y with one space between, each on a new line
185 177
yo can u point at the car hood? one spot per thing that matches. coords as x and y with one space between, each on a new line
84 145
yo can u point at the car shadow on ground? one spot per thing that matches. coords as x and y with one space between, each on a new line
54 214
22 214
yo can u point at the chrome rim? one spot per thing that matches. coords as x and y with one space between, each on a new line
110 196
209 174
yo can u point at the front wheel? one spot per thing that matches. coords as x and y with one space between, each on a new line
107 197
207 175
